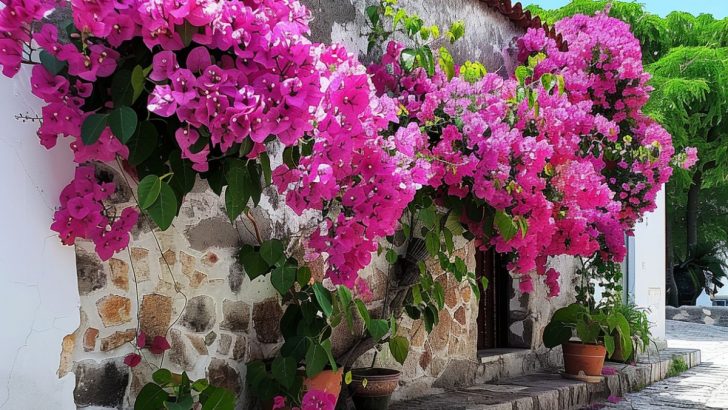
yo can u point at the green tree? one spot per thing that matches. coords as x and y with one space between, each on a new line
688 58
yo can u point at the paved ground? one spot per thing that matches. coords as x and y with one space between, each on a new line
703 387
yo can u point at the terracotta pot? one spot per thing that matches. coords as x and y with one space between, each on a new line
375 393
583 358
328 381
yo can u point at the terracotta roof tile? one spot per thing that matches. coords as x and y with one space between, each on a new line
524 19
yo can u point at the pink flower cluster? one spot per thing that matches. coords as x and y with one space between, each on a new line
265 83
158 345
603 68
363 180
312 400
82 215
574 168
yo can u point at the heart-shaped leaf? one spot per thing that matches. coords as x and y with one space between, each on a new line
123 123
92 128
164 209
148 190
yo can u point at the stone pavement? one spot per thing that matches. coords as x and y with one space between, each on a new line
702 387
547 390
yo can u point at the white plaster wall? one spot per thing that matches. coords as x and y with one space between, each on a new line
38 289
649 266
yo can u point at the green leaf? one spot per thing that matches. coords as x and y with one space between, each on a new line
373 14
122 88
391 256
183 176
164 209
51 63
264 160
252 262
348 377
522 72
377 328
162 376
303 276
148 190
609 344
432 242
326 344
180 404
150 397
123 123
555 334
236 195
345 299
200 385
138 77
457 31
316 359
439 294
219 399
397 18
283 277
284 370
272 251
363 311
399 346
407 58
186 31
505 224
92 128
143 143
324 298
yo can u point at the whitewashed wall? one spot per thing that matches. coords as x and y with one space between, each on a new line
38 289
647 267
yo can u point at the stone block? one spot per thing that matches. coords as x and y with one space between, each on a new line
223 346
114 310
90 272
140 263
199 314
266 317
101 384
117 339
236 316
220 374
155 314
119 273
89 339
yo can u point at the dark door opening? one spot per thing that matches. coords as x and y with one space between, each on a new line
494 300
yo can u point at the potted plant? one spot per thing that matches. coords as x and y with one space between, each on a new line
597 331
702 269
639 327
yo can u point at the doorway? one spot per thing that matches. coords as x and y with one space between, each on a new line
493 311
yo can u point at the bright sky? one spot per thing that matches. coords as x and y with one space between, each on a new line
718 8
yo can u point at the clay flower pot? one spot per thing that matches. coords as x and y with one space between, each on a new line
372 387
583 359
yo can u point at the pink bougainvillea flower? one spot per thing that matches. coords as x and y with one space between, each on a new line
609 371
318 400
614 399
141 340
691 158
132 359
159 345
279 402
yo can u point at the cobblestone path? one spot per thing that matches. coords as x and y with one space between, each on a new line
702 387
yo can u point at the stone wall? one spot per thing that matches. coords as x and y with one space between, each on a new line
184 283
708 315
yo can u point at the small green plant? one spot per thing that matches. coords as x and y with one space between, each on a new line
598 326
639 326
677 366
172 391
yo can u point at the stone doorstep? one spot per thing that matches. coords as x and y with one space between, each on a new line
547 390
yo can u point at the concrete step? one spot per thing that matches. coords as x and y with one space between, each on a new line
547 390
